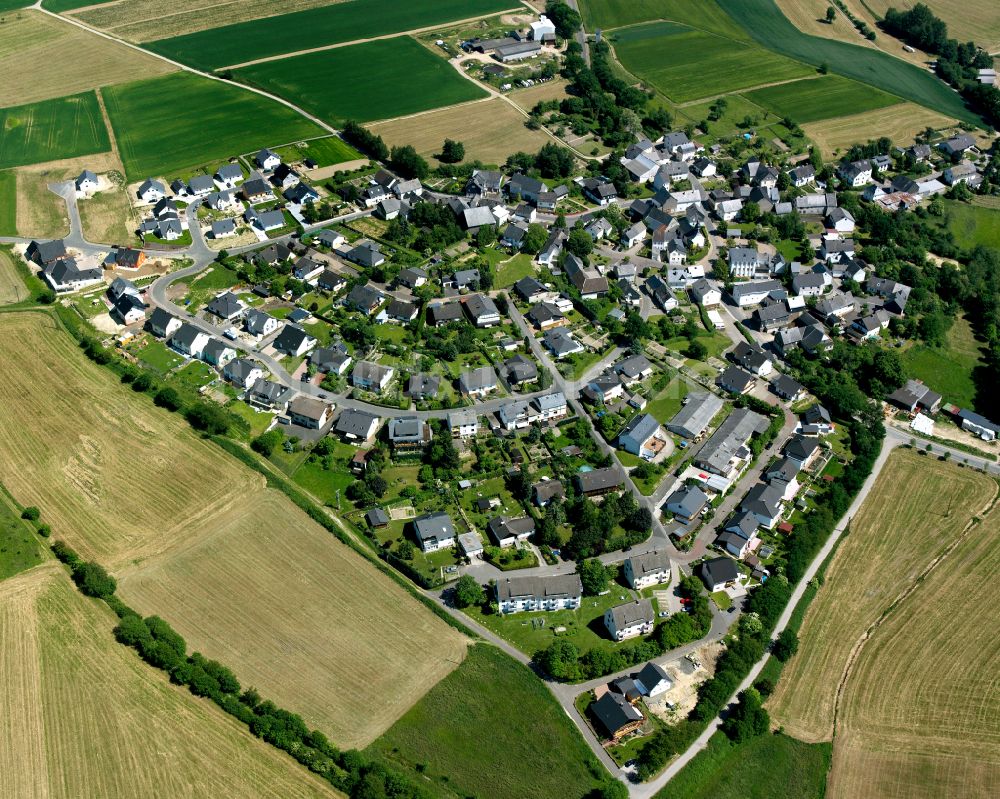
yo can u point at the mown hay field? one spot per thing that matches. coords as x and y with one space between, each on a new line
84 716
704 14
31 47
50 130
550 90
968 20
375 80
685 64
194 536
899 122
918 715
142 20
490 130
317 27
915 510
165 124
825 97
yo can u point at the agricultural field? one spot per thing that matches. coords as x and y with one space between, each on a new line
469 731
8 208
949 368
318 27
20 548
550 90
765 767
915 510
363 82
704 14
899 122
490 130
975 222
12 288
328 151
770 28
143 20
685 64
218 121
976 20
819 98
809 16
918 712
28 41
236 568
50 130
82 711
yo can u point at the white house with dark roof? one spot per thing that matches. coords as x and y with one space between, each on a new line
686 503
267 160
557 592
434 531
242 372
355 425
630 620
370 376
643 436
294 341
189 340
649 568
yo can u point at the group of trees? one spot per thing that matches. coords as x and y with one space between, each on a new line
551 161
593 526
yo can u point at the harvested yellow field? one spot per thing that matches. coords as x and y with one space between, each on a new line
107 217
490 130
976 20
918 714
84 716
35 47
915 510
809 16
550 90
12 288
899 122
146 20
196 537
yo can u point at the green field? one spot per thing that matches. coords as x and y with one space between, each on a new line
8 203
975 222
56 6
491 729
19 547
704 14
685 64
948 370
509 272
66 127
825 97
767 25
374 80
665 405
181 120
327 151
317 27
766 767
11 5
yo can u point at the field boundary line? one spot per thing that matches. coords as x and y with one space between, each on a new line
381 37
185 68
893 606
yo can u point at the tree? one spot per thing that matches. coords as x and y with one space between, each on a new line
824 68
696 350
561 660
594 577
565 19
748 719
750 212
534 239
267 443
613 789
831 14
408 162
579 243
786 645
406 550
142 382
31 513
468 592
93 580
208 417
452 152
554 161
486 235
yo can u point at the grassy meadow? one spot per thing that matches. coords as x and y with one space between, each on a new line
218 121
8 203
704 14
19 545
317 27
374 80
948 369
50 130
479 732
685 64
975 222
825 97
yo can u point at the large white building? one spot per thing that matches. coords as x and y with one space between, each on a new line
650 568
630 620
559 592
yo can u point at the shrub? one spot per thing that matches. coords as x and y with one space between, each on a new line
93 580
168 398
31 513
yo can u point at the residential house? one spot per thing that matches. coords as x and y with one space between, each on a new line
519 370
330 360
242 372
530 290
726 452
630 620
530 594
485 183
560 342
771 315
686 503
463 424
745 261
477 383
589 282
841 220
294 341
545 316
217 352
856 173
226 306
44 253
465 280
599 229
309 412
752 358
509 532
647 569
259 323
604 388
370 376
354 425
128 308
162 323
271 396
598 482
643 436
546 491
223 228
816 421
189 340
694 417
802 450
550 253
787 388
755 292
661 293
653 680
719 573
599 191
704 293
86 183
616 716
959 145
408 434
412 277
481 310
765 502
434 531
802 175
522 187
736 381
151 191
364 298
439 313
366 254
228 175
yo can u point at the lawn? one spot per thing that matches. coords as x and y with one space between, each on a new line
768 26
948 369
258 420
765 767
317 27
158 356
50 130
19 546
508 273
218 121
328 486
665 405
477 733
976 222
825 97
737 110
8 203
531 632
685 64
704 14
327 151
195 375
374 80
